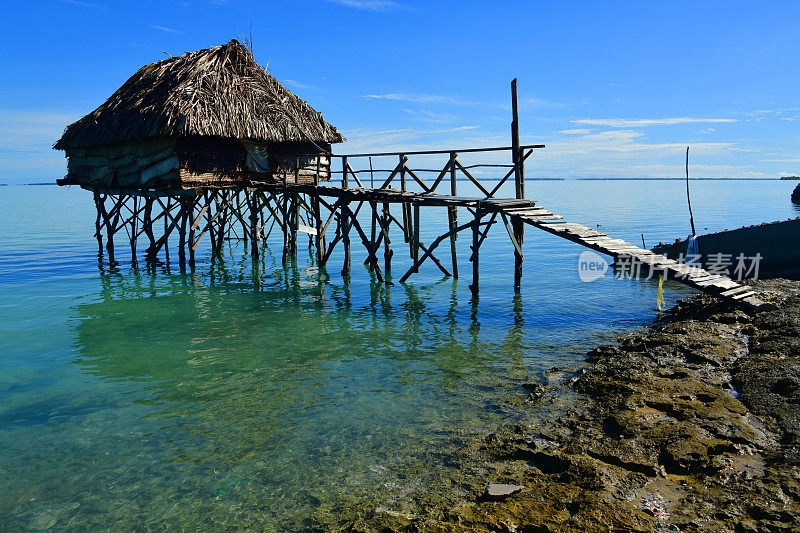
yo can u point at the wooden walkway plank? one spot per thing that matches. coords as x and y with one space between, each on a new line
695 277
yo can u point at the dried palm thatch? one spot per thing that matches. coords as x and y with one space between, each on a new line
219 91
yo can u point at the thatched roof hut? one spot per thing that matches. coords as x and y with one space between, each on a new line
210 117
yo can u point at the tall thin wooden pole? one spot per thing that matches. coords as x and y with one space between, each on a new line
519 177
688 199
519 182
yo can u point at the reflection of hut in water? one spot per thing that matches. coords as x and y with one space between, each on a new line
211 118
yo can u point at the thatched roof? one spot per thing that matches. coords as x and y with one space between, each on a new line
219 91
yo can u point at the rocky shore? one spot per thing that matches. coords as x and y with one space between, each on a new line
691 424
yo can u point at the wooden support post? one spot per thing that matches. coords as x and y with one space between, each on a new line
167 216
344 217
415 243
318 225
111 227
183 213
241 217
519 235
344 172
212 233
373 244
189 204
254 227
404 205
99 203
295 199
148 226
134 226
452 215
387 249
222 220
286 225
476 244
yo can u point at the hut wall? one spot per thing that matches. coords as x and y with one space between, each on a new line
140 164
292 160
193 162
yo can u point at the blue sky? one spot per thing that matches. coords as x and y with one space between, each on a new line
614 89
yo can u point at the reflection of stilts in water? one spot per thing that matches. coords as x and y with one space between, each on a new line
513 343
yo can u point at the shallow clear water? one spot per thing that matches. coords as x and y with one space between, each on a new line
271 397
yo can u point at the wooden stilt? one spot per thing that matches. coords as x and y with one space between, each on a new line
254 227
188 215
415 241
147 222
373 245
519 235
387 250
111 228
240 211
476 243
317 222
344 215
167 215
99 202
452 216
183 214
295 217
134 226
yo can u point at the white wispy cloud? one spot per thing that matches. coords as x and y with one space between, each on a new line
578 131
421 98
624 142
297 84
644 122
85 4
785 113
431 116
529 102
369 5
408 139
165 29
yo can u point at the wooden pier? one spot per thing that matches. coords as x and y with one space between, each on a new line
329 215
174 182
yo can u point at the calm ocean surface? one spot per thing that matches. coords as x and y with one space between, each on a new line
278 398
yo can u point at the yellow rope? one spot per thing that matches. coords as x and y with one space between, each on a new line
660 298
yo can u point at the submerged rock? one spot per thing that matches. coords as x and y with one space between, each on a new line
498 491
692 424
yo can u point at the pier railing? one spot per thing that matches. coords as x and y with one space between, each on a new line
403 174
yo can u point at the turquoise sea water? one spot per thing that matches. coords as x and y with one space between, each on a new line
259 396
